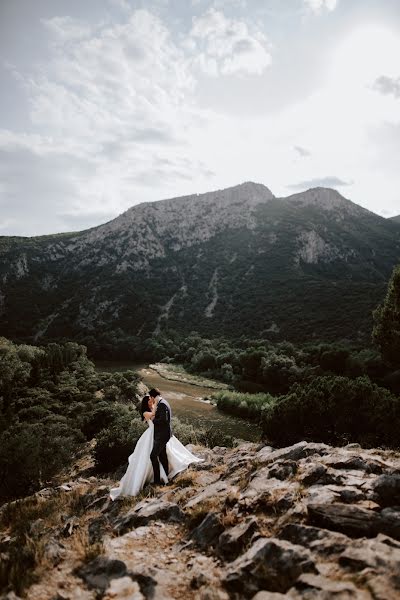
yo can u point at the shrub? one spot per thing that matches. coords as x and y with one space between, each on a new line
242 405
334 410
115 443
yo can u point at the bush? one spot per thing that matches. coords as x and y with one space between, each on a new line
30 453
334 410
242 405
115 443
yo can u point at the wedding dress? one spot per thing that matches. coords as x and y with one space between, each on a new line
140 469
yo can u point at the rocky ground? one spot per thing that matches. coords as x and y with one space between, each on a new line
308 521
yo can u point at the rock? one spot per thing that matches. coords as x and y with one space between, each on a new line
387 490
270 564
317 586
232 541
96 529
37 528
54 551
322 494
390 522
318 540
295 452
283 469
210 593
348 519
382 587
69 526
98 573
263 491
208 531
148 510
354 463
122 588
315 473
269 596
371 554
219 489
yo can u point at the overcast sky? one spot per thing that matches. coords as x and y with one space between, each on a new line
108 103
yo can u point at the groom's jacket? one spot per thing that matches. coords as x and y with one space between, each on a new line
162 420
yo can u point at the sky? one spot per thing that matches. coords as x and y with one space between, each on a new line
108 103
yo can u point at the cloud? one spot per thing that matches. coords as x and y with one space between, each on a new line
329 181
303 152
387 85
228 46
317 6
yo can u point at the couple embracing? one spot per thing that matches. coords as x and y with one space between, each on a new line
158 455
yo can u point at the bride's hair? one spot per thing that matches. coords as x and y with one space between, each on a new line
144 407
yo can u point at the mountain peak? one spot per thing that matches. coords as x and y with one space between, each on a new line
328 199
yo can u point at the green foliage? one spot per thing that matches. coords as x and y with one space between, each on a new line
115 443
242 405
334 410
50 403
386 332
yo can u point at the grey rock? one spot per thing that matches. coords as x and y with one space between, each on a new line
269 596
371 554
232 541
354 463
215 490
96 529
313 586
390 522
295 452
54 551
322 541
387 490
148 510
348 519
270 564
283 469
208 531
314 473
98 573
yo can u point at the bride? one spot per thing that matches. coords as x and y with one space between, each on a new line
140 469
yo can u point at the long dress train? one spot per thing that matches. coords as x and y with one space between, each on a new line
140 469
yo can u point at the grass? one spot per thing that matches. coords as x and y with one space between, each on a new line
243 405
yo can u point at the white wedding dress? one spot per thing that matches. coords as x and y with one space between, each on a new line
140 469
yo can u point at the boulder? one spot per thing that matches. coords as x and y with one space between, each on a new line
295 452
99 572
270 564
322 541
387 490
317 586
346 518
146 511
208 531
283 469
232 541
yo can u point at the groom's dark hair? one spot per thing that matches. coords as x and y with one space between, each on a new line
154 392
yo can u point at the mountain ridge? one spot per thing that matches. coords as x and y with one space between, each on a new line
229 262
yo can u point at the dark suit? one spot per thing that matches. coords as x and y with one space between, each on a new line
162 434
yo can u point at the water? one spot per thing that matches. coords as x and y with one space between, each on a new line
189 402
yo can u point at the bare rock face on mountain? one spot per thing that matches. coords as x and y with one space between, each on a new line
230 262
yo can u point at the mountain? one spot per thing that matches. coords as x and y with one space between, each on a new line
233 262
396 219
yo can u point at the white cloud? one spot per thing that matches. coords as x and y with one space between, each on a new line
317 6
228 46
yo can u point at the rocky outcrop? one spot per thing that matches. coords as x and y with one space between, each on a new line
307 521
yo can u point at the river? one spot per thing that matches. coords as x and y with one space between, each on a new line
188 402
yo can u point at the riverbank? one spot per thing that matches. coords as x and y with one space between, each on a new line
178 373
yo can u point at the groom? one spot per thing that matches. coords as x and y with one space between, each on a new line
162 433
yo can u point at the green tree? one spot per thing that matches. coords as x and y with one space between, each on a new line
386 331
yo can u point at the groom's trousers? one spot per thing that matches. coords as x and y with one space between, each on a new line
159 452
